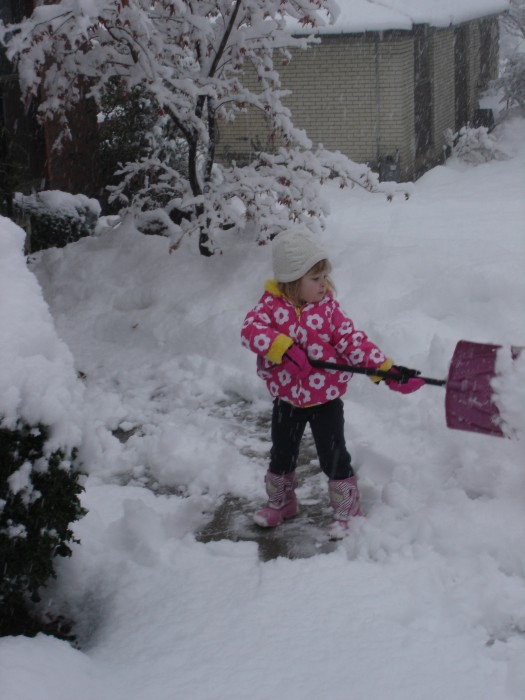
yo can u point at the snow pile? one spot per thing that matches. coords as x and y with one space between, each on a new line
508 388
37 378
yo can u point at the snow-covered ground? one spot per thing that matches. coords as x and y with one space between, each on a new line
424 600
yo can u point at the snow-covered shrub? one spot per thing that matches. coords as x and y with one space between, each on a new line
41 424
474 145
39 499
57 218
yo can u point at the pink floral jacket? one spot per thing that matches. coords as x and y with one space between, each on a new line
322 330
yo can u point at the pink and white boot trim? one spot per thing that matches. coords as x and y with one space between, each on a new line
282 502
344 499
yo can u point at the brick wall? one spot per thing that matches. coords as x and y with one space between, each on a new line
325 81
489 51
442 69
248 134
474 67
350 93
355 94
395 132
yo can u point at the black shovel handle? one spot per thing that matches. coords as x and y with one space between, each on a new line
372 372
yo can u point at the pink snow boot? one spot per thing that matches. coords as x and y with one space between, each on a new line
282 502
344 499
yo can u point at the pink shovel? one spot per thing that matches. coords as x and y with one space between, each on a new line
469 401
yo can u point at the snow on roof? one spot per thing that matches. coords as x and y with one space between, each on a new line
381 15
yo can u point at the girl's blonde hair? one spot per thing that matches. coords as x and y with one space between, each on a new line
291 289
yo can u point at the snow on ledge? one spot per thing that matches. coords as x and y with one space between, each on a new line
357 16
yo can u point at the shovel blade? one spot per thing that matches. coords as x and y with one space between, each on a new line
469 401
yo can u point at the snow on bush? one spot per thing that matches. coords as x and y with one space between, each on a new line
475 145
57 218
62 203
38 382
40 426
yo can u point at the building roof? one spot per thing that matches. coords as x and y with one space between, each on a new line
357 16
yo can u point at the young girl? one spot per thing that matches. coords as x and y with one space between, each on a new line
298 319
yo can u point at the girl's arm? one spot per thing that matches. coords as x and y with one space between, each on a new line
353 344
259 336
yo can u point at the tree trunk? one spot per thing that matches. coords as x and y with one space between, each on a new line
204 239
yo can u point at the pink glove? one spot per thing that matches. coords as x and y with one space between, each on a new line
408 386
295 361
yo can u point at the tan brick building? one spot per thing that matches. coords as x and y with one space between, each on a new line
383 97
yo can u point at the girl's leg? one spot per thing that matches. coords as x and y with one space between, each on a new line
327 423
288 424
287 430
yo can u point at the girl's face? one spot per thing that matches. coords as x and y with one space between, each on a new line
313 286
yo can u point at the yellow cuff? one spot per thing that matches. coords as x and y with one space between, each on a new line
387 364
277 349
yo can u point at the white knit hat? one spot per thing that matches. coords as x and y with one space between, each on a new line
294 252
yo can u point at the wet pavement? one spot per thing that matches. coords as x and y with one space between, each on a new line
300 538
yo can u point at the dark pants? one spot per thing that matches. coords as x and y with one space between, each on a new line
327 426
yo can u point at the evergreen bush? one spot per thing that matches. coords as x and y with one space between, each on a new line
56 218
39 499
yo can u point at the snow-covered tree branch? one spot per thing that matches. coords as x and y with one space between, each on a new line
514 19
189 59
512 78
